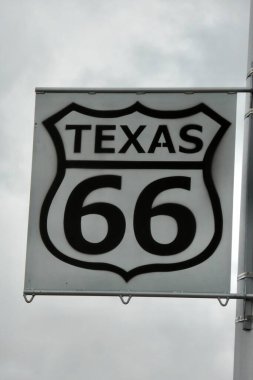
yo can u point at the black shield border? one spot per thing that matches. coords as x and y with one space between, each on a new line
49 124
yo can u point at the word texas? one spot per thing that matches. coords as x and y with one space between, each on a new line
105 138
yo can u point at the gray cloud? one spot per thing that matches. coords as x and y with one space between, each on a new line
96 43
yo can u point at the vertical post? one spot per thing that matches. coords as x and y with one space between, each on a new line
243 359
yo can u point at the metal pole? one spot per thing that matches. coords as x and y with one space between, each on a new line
243 356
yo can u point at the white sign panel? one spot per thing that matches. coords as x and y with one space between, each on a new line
131 192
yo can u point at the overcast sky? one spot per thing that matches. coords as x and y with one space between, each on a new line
96 43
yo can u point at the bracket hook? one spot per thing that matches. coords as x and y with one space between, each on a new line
223 303
125 299
29 300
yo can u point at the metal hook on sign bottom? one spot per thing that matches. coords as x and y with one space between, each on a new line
223 303
29 300
125 299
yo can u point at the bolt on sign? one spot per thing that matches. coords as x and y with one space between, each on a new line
131 192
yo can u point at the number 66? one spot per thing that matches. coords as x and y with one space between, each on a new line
75 210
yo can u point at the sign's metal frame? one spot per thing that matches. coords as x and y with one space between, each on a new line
143 90
139 294
126 296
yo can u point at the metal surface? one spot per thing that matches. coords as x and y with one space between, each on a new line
249 113
125 299
244 275
219 296
242 319
222 302
243 363
250 73
29 299
143 91
247 318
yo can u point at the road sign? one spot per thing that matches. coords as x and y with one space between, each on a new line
131 192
